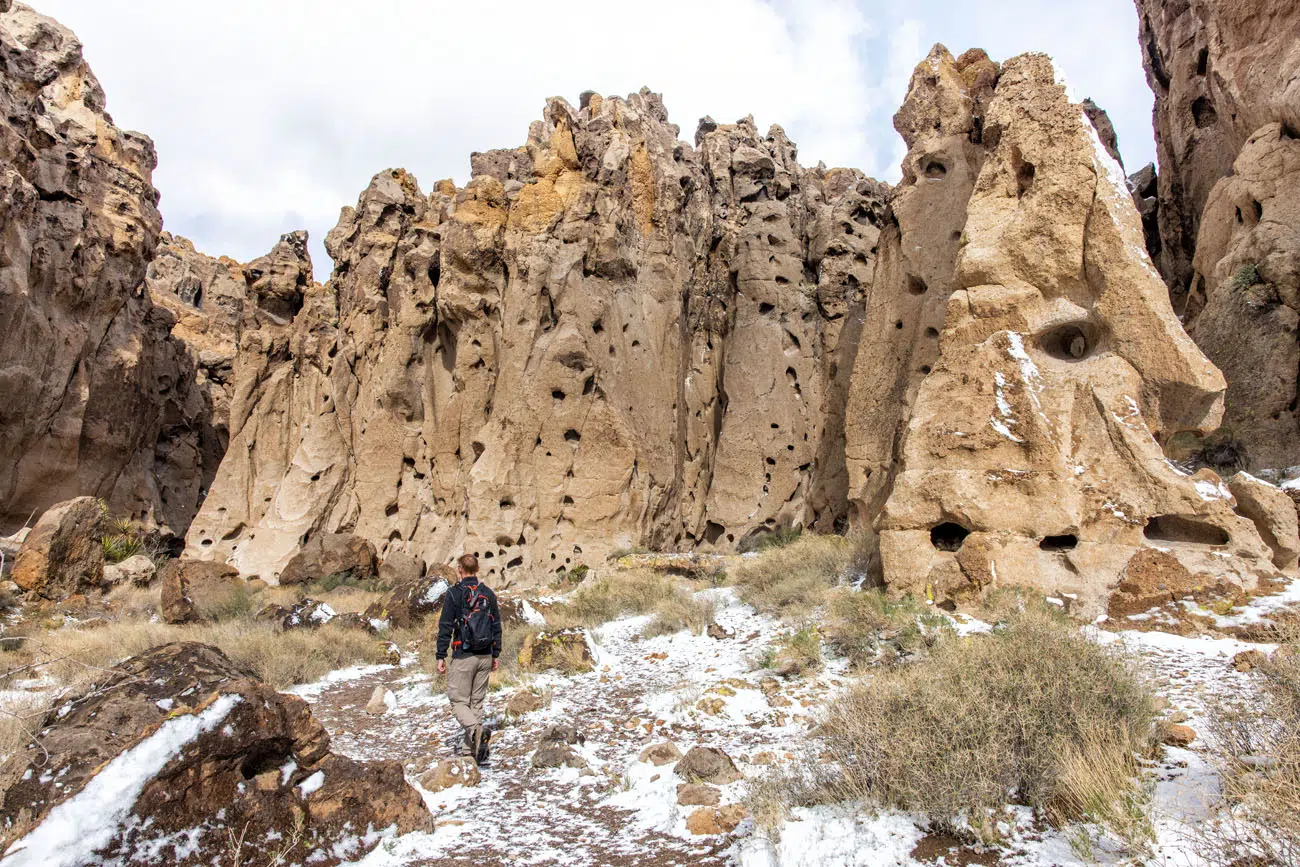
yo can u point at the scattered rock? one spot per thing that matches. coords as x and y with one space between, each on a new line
557 755
62 554
307 614
660 754
215 748
523 702
716 820
137 570
456 771
567 650
379 702
175 604
328 554
409 604
708 765
1248 660
1177 735
563 734
353 620
697 795
719 632
763 758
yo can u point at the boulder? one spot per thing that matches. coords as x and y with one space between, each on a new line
565 650
697 795
328 554
719 632
186 584
380 701
175 604
1178 735
557 755
707 765
409 604
1248 660
398 567
1274 515
456 771
660 754
523 702
197 745
62 554
716 820
354 620
307 614
137 570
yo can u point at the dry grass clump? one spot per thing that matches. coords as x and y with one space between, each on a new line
682 610
795 652
867 626
792 580
1032 714
74 656
1257 756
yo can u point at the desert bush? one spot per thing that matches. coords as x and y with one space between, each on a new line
794 579
223 601
346 581
635 591
1244 277
778 538
1011 716
681 610
1257 756
867 626
794 652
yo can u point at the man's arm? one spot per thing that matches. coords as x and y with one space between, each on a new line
446 622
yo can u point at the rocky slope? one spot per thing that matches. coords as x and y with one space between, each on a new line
99 399
607 338
1226 78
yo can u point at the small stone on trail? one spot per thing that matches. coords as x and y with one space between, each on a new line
457 771
557 754
523 702
1178 735
660 754
378 705
716 820
709 765
697 795
1248 659
719 632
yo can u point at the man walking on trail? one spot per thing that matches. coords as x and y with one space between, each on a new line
470 627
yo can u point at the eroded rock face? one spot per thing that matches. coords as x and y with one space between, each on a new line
194 737
1030 450
1220 71
608 338
98 398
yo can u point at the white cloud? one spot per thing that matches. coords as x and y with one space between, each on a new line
270 116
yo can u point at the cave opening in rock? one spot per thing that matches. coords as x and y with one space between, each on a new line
1177 528
948 536
1063 542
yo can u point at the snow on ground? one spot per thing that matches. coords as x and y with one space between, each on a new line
696 690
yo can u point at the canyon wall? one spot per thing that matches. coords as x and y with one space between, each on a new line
606 339
1226 78
98 398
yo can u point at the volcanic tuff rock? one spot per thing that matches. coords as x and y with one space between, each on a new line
210 747
1033 406
607 338
98 399
1226 76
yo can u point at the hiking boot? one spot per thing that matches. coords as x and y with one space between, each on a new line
469 742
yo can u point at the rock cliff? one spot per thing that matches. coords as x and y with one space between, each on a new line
1226 78
98 398
607 338
1036 363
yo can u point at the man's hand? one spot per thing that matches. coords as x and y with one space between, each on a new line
442 666
496 663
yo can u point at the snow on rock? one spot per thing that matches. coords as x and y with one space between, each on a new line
88 821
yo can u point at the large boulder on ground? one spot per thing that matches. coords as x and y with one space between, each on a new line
138 570
181 743
716 820
174 602
568 650
62 554
186 583
331 554
410 603
707 765
1273 513
307 614
455 771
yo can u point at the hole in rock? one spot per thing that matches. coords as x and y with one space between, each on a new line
1073 341
916 286
932 332
948 536
315 477
572 435
1203 112
1259 210
925 369
935 170
390 510
479 448
765 308
567 501
899 325
1203 61
713 532
268 755
1176 528
1063 542
1024 179
518 561
507 503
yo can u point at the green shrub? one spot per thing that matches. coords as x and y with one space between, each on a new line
792 580
1245 276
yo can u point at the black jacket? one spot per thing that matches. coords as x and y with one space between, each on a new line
453 608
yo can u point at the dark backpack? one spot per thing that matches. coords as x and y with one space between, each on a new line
477 635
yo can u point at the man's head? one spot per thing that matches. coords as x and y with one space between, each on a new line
466 565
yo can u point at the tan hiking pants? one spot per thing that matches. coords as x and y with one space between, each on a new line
467 686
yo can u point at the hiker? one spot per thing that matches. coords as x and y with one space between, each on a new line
470 627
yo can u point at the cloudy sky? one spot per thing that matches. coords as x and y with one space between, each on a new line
269 115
